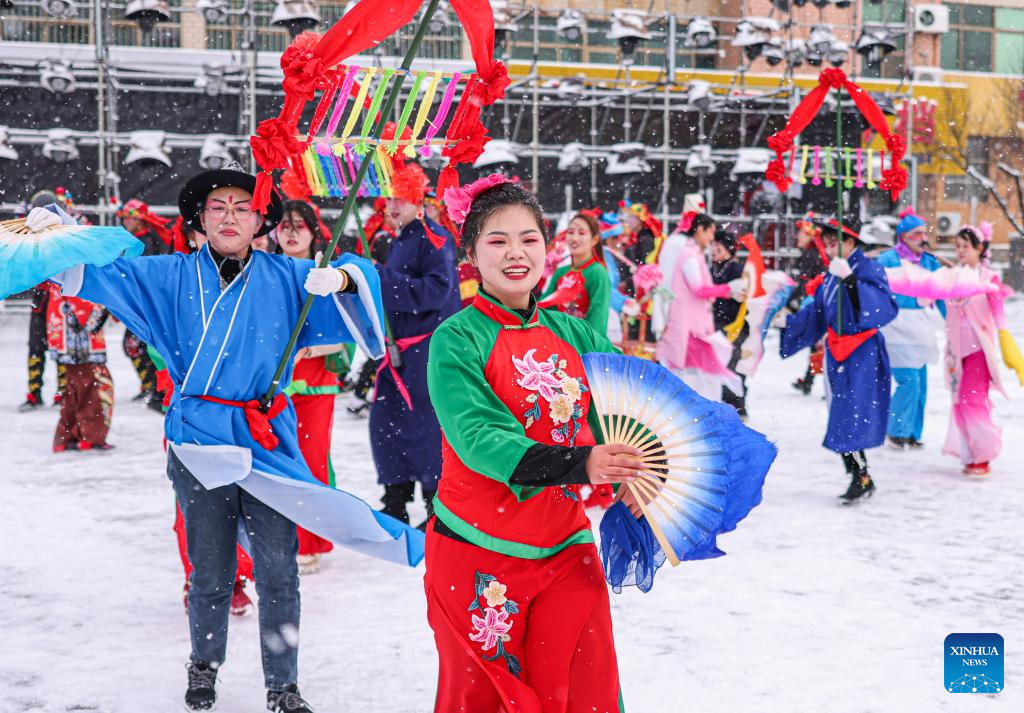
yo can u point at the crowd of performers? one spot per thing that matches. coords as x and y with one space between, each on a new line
464 309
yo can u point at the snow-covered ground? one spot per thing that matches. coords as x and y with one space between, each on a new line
816 607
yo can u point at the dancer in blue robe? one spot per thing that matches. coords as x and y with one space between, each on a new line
857 365
221 318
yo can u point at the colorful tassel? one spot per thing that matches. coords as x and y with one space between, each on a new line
424 111
816 180
442 113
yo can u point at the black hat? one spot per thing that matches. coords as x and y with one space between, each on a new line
192 198
726 239
832 225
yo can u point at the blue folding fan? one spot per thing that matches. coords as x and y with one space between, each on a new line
702 469
28 258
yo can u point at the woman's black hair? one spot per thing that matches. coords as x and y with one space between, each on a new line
308 215
701 220
973 238
726 239
494 199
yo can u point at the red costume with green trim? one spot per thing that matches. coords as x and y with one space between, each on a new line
312 390
536 637
583 292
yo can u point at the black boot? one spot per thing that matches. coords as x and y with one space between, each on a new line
860 482
428 500
201 695
287 701
396 498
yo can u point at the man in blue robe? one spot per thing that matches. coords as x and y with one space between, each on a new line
857 365
221 317
910 338
420 288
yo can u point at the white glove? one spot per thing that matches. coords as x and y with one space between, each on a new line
840 268
40 219
631 308
738 289
324 281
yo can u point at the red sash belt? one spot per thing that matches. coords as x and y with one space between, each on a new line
841 347
402 345
259 423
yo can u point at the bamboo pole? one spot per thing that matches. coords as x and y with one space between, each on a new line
350 201
839 208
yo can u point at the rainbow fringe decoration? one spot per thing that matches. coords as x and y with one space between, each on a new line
332 160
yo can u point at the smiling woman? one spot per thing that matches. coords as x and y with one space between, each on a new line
508 385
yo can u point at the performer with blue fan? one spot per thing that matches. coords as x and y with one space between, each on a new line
516 593
221 317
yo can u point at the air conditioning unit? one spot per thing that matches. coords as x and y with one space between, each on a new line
933 19
949 224
931 75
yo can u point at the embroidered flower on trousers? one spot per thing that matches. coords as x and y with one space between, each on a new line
536 376
495 593
561 408
490 629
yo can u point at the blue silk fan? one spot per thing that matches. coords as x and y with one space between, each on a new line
702 468
29 258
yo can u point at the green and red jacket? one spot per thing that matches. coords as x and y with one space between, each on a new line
501 384
583 292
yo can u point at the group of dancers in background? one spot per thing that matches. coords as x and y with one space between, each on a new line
456 284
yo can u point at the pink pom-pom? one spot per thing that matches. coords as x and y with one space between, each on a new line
460 200
907 211
647 277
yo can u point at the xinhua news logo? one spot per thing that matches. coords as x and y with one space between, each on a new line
974 663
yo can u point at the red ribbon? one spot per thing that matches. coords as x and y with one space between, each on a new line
894 179
402 345
259 423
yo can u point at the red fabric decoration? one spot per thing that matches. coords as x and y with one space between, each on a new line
275 143
449 178
894 180
179 242
294 186
755 259
259 423
304 72
410 183
814 283
842 346
436 240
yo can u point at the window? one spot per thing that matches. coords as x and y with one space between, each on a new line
1009 40
887 11
984 39
963 188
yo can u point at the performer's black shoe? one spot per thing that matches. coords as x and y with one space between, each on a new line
142 395
155 401
897 443
860 486
201 695
803 385
32 402
287 701
428 500
914 444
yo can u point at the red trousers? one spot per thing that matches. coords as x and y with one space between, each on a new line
518 635
315 416
244 561
86 408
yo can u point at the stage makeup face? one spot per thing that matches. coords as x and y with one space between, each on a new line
229 221
294 236
510 255
402 212
580 241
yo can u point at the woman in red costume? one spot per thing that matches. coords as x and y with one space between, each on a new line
313 386
515 590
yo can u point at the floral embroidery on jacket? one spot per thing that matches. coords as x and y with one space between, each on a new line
562 392
491 630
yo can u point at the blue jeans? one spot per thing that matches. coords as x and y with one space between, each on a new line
212 519
906 412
